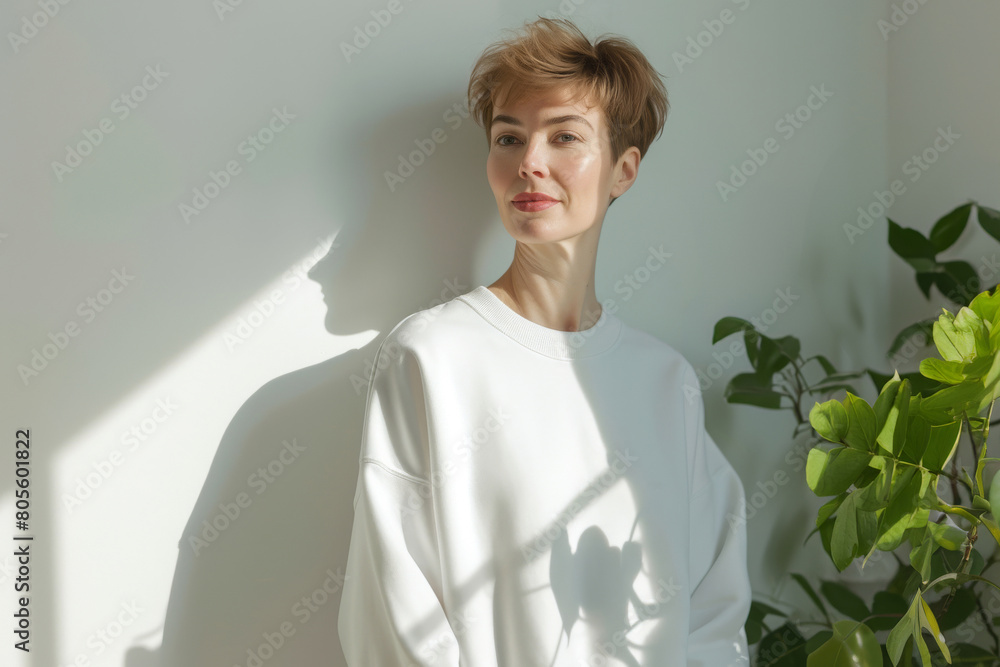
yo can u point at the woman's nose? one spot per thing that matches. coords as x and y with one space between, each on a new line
533 161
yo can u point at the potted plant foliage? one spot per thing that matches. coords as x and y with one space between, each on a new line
908 475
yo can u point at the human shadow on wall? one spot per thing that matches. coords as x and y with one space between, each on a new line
261 588
260 563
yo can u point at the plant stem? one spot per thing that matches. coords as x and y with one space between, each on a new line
962 567
953 478
797 389
800 380
972 440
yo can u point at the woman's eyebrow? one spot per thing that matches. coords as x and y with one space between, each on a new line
502 118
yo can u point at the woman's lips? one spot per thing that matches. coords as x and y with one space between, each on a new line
537 205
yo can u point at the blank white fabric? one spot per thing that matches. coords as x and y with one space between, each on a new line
533 497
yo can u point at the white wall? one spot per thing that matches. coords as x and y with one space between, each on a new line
317 190
942 66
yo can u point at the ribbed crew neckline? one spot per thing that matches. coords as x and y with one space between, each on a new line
551 342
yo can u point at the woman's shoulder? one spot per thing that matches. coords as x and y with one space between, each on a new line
433 326
653 350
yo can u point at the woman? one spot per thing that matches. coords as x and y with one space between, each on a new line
536 484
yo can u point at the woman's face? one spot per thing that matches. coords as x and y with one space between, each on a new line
568 160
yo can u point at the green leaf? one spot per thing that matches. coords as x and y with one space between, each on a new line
751 337
957 281
918 432
987 306
751 341
861 424
967 320
951 561
979 502
946 535
920 558
829 419
789 346
927 496
853 644
885 400
751 389
772 358
922 385
844 539
754 625
949 372
947 229
830 472
918 383
983 368
761 399
811 592
844 600
768 610
880 379
994 497
955 399
912 246
993 374
829 388
828 508
992 526
902 509
838 378
824 362
892 417
900 634
869 474
959 578
887 609
826 535
784 647
941 444
853 531
945 561
986 398
929 623
954 343
989 220
925 280
728 326
818 640
875 496
962 606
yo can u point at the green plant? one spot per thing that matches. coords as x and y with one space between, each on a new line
881 465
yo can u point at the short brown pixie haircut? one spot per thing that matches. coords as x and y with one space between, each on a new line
553 53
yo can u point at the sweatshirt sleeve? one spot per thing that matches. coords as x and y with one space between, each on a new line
391 611
720 595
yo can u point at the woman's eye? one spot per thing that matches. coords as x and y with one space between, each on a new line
500 139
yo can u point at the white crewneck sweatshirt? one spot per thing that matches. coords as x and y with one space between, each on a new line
529 497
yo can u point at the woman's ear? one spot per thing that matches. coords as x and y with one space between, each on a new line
626 171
